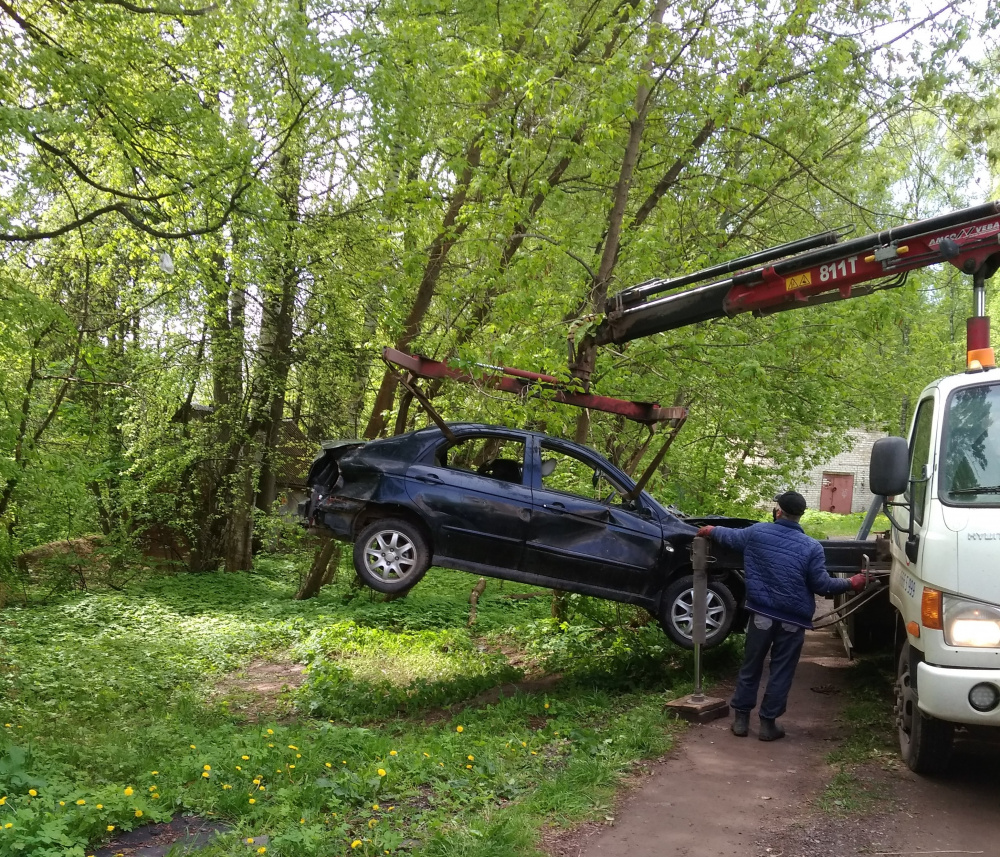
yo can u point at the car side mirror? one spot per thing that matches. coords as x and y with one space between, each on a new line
912 547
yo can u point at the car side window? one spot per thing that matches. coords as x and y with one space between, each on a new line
495 457
571 475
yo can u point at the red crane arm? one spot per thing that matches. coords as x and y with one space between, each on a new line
830 270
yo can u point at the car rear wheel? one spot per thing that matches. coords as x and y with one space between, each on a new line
677 612
391 555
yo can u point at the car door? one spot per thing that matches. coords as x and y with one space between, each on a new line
473 497
581 531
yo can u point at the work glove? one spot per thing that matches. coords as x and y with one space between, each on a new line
705 532
858 582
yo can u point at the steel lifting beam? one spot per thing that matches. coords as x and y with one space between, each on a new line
521 382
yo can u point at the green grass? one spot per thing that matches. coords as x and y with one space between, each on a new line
827 525
871 738
111 711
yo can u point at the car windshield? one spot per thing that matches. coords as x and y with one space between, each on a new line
970 473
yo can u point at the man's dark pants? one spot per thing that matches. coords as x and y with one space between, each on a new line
784 642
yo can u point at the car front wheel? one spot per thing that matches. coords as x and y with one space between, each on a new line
391 555
677 612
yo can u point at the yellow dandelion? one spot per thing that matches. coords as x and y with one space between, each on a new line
262 849
8 826
292 747
253 800
100 806
138 813
226 786
270 745
152 788
249 840
355 843
391 808
427 755
546 705
298 755
62 803
381 772
206 774
32 792
471 758
372 822
328 764
154 773
245 758
256 782
270 731
302 821
291 767
3 800
459 729
193 747
533 753
393 753
374 806
110 827
238 768
155 797
81 802
262 788
523 744
128 791
207 768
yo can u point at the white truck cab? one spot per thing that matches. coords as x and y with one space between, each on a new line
945 576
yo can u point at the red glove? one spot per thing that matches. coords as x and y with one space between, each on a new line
705 532
858 582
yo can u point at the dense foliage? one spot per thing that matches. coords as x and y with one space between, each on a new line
213 218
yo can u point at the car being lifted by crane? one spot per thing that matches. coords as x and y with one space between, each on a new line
941 488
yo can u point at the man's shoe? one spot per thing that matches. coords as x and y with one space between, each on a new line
770 730
741 723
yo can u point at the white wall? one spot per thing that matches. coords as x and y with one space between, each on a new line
855 461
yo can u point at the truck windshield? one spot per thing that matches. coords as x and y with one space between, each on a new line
970 472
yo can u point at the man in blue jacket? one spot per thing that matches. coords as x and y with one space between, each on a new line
785 569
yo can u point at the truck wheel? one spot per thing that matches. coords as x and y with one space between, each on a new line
677 612
924 742
391 555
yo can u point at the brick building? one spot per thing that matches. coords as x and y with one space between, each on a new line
841 484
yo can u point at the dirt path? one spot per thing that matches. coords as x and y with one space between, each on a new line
718 795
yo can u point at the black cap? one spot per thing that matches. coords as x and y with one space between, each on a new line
791 503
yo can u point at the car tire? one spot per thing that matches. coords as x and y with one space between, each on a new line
391 555
677 612
925 742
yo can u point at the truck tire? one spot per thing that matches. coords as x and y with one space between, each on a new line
924 742
677 612
391 555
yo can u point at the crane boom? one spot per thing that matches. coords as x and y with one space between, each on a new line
828 269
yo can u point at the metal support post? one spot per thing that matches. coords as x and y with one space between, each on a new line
699 561
697 706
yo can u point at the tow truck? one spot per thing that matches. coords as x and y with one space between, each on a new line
940 488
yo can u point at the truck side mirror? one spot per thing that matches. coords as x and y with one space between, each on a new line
912 547
889 471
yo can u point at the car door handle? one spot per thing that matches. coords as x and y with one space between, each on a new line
554 507
432 478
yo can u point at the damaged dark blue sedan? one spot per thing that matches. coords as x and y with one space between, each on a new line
516 505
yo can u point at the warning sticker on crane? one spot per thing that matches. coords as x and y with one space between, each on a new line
798 281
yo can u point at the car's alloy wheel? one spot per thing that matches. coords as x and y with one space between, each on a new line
391 555
677 612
